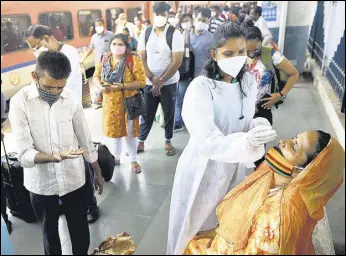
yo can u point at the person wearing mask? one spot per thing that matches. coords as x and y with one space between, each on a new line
186 69
172 19
121 75
3 192
276 209
216 18
223 143
51 134
259 21
162 59
40 38
123 23
266 75
139 23
130 40
200 40
100 42
139 17
195 12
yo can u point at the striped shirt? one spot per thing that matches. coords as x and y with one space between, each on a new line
215 23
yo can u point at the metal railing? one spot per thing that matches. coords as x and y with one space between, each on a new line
336 72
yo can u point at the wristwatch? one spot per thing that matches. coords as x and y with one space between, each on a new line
282 96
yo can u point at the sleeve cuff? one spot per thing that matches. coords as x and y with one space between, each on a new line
27 160
91 157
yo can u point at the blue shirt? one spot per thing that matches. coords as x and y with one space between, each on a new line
200 47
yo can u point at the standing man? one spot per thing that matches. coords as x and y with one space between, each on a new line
259 21
51 135
100 42
40 38
216 18
162 55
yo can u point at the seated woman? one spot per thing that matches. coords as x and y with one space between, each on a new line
275 210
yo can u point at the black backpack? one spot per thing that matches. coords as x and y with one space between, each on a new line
169 35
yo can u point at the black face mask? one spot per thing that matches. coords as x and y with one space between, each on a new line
48 97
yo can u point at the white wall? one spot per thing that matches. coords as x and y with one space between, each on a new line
301 13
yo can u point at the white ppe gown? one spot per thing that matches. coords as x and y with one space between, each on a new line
214 160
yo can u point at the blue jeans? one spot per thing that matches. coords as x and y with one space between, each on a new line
183 84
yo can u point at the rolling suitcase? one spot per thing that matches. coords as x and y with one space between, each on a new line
17 196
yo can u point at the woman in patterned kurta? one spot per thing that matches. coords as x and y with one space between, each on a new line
120 74
275 214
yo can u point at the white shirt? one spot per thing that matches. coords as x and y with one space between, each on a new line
74 81
37 127
129 25
159 55
215 158
262 25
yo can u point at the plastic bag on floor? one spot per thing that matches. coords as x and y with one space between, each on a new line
121 244
159 116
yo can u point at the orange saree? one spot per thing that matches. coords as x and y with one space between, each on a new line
252 222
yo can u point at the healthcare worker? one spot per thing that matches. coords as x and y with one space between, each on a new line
218 112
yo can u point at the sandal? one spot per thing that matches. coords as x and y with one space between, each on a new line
136 168
140 147
170 151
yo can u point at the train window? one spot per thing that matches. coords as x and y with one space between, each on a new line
111 17
60 23
132 13
13 28
86 20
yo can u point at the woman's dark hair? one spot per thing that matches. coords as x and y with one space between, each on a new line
182 17
38 31
323 141
251 32
222 34
123 38
125 29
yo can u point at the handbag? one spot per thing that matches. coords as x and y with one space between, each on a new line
134 105
106 161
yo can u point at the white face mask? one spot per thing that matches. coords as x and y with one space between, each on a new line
201 26
160 21
39 51
213 14
99 29
172 21
186 25
232 65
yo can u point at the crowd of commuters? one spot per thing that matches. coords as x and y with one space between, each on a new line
214 70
